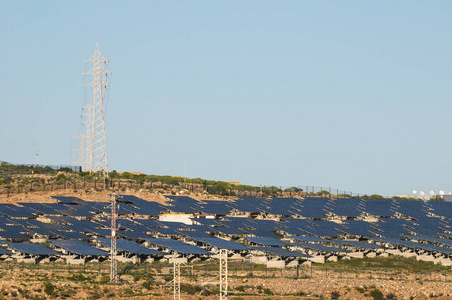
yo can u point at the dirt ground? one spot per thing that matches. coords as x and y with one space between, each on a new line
29 285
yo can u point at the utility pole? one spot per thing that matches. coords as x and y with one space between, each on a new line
185 169
113 263
37 158
176 278
223 274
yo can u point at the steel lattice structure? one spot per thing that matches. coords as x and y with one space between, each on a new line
113 262
92 142
223 274
176 278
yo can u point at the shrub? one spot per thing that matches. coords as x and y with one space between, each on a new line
127 291
391 296
360 289
267 291
240 288
146 285
335 295
49 288
376 294
190 289
104 279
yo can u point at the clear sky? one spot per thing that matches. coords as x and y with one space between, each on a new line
348 94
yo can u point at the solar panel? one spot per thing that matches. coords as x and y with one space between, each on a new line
220 243
345 207
307 238
356 244
213 207
281 206
3 251
441 208
129 246
313 208
357 228
379 207
34 249
248 204
13 233
280 252
265 241
78 247
177 246
320 248
71 200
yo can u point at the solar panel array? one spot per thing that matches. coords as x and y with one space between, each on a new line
74 222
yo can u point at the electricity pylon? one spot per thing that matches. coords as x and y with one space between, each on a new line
176 278
92 139
223 274
113 263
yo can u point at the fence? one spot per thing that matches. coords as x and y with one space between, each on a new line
238 269
122 185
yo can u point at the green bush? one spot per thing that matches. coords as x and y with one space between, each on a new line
376 294
190 289
267 291
146 285
360 289
127 291
49 288
240 288
104 279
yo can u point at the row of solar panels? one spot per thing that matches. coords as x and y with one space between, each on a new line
314 208
72 228
271 245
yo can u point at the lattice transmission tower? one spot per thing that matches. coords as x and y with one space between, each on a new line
223 274
92 141
114 228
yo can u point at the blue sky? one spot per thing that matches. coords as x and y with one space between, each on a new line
348 94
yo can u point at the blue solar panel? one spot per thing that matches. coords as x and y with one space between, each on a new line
213 207
356 244
71 200
177 246
78 247
282 206
379 207
265 241
280 252
411 208
441 208
357 228
4 251
320 248
220 243
34 249
13 233
314 208
308 239
345 207
129 246
249 204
